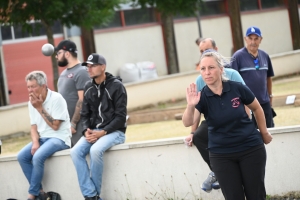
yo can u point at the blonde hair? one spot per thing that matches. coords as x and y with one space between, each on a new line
220 60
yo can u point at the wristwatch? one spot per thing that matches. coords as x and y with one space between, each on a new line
271 95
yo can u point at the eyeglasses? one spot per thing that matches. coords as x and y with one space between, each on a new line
59 52
256 62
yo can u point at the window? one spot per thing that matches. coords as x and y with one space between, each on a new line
19 33
6 32
212 8
271 3
207 8
246 5
115 22
16 31
139 16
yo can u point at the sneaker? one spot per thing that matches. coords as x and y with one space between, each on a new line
207 185
216 185
93 198
43 196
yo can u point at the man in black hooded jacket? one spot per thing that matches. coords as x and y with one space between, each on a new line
103 115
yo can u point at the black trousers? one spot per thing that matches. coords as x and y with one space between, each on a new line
200 140
268 115
241 174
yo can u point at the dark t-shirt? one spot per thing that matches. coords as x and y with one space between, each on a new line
70 81
229 128
255 79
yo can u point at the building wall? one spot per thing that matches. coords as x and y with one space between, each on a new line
20 58
132 46
275 29
186 33
145 43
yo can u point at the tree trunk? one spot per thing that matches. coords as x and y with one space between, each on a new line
88 42
294 23
236 25
3 99
170 44
49 33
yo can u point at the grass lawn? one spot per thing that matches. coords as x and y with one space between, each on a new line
286 116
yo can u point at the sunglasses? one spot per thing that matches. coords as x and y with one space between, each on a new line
256 63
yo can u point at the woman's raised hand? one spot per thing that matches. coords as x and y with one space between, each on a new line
192 96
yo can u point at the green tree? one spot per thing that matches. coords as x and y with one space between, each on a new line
168 9
82 13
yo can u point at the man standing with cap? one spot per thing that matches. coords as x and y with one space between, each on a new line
256 68
103 115
71 83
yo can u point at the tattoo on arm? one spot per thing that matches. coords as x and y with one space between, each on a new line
76 115
48 117
79 104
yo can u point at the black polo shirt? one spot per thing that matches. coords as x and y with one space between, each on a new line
229 128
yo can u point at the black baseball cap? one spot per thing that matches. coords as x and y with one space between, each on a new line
95 58
66 45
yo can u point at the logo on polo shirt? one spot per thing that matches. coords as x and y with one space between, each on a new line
235 102
70 75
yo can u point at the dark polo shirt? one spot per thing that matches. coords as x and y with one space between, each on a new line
229 128
255 79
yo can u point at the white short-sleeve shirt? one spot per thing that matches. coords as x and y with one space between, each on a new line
56 107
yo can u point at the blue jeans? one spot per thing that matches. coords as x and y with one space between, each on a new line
90 180
33 165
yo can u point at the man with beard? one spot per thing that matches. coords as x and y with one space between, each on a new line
71 83
256 68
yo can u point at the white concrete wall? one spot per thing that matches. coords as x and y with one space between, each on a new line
15 118
275 30
77 41
132 46
146 43
161 167
286 63
186 33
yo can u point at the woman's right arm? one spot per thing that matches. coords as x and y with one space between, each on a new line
192 98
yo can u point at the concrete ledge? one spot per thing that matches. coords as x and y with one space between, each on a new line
159 168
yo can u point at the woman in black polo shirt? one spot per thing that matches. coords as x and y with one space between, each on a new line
236 147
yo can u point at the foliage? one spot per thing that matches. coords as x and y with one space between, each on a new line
68 12
82 13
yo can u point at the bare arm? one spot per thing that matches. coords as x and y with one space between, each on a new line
76 116
192 98
35 138
197 117
269 87
53 123
260 120
37 103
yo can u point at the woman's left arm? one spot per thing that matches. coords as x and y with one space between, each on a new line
260 120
